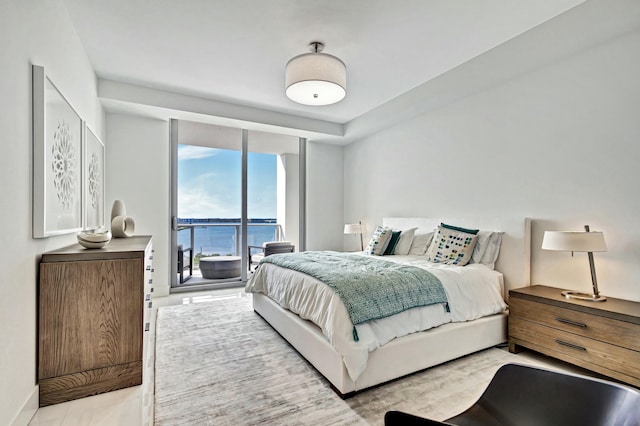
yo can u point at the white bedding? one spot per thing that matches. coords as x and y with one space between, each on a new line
473 291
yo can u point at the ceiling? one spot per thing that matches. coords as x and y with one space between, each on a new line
235 51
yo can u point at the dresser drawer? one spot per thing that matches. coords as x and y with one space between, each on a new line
148 288
148 276
148 304
607 330
595 352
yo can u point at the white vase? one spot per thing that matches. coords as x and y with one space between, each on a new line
122 226
118 209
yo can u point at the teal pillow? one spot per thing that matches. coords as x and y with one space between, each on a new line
395 236
457 228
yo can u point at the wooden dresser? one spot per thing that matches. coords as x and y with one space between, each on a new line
93 310
600 336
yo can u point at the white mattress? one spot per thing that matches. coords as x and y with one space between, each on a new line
473 291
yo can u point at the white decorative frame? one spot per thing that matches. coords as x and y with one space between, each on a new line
93 178
57 160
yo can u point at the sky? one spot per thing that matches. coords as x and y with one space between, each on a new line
209 183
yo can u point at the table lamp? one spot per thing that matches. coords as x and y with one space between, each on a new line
586 241
356 228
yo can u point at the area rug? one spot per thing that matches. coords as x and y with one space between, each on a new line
220 363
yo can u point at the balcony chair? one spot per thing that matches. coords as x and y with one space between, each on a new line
267 249
185 262
525 395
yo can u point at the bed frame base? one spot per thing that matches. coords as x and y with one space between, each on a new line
397 358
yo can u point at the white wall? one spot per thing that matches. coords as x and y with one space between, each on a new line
325 206
138 173
32 32
559 144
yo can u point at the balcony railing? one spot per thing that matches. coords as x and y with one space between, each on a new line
216 238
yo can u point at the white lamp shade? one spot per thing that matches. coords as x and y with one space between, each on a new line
316 79
354 228
573 241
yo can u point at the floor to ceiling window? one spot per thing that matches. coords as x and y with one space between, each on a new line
232 189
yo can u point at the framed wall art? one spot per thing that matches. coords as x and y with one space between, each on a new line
57 160
93 180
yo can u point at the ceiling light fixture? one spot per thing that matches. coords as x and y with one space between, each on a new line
316 78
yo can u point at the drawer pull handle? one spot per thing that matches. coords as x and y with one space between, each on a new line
566 321
150 304
151 281
147 297
571 345
146 326
148 268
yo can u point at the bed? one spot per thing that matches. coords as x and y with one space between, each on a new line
388 360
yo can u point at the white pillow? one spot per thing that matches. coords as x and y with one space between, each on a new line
493 250
404 242
481 246
420 243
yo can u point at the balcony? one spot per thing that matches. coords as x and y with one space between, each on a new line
202 239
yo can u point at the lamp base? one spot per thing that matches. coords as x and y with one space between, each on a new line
583 296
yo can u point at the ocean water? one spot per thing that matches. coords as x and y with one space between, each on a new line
221 239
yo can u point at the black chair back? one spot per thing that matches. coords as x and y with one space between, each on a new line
522 395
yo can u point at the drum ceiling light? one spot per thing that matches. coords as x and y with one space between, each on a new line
316 78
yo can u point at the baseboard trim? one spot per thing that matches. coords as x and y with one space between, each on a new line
28 410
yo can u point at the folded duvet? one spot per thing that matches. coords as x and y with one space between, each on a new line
473 291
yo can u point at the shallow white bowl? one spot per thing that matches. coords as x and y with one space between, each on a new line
92 239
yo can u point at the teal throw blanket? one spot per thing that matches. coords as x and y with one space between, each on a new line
370 288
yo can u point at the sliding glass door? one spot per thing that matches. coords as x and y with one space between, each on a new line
232 189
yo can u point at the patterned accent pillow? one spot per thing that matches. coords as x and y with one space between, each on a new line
379 241
451 247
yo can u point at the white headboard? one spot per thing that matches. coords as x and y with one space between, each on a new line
515 253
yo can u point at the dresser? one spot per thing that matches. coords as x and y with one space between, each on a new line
600 336
93 318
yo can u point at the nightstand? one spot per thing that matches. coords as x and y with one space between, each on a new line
600 336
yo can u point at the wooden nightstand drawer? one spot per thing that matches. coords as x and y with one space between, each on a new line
602 337
607 330
582 348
